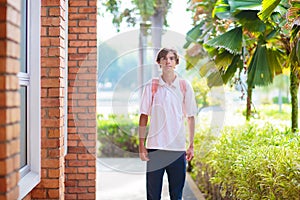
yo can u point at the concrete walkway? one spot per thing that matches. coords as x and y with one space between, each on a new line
124 179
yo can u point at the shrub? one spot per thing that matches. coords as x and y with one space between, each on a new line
250 162
117 136
285 100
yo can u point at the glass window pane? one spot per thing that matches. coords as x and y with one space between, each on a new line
23 126
23 45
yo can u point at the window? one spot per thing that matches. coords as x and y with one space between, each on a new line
29 80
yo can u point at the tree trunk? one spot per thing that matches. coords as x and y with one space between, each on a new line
294 86
142 49
249 101
157 29
280 100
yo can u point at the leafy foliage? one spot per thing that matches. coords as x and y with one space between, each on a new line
117 136
250 162
230 41
138 10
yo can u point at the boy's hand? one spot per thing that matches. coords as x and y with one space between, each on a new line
143 153
189 153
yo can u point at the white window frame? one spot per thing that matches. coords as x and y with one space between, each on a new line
31 173
66 79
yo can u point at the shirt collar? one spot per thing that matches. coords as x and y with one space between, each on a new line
175 83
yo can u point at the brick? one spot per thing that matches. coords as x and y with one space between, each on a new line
76 16
86 157
87 196
77 150
87 9
50 2
49 183
50 21
92 44
70 196
86 89
78 3
55 133
52 123
78 43
55 31
75 30
44 11
91 176
73 9
54 194
54 173
86 103
54 52
87 23
86 170
77 176
50 163
50 62
50 102
93 3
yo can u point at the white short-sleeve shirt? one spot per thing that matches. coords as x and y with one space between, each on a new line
166 130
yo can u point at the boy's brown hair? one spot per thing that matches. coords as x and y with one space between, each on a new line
163 53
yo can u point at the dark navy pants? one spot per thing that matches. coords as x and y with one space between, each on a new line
171 162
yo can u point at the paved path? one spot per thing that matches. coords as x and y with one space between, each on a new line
124 179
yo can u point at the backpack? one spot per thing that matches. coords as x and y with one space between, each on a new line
182 84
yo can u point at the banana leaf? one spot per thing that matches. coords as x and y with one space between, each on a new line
230 41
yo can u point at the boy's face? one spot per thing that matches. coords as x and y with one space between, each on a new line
168 62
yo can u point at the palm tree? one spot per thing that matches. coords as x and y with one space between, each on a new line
243 43
292 46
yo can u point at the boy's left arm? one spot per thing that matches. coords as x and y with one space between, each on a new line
191 127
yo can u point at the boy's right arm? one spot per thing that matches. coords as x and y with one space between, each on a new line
143 153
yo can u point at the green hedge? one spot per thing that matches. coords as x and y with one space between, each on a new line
117 136
248 162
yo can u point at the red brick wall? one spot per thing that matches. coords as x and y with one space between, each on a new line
52 100
81 158
9 99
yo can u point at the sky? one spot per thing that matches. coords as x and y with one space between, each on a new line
179 21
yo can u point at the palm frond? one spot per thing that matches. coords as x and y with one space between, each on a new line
239 5
230 41
237 63
265 64
275 60
268 6
207 68
250 21
221 9
193 34
214 79
223 59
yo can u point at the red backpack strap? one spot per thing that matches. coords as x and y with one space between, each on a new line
155 82
183 90
182 86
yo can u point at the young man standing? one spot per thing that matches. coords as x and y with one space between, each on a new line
168 100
